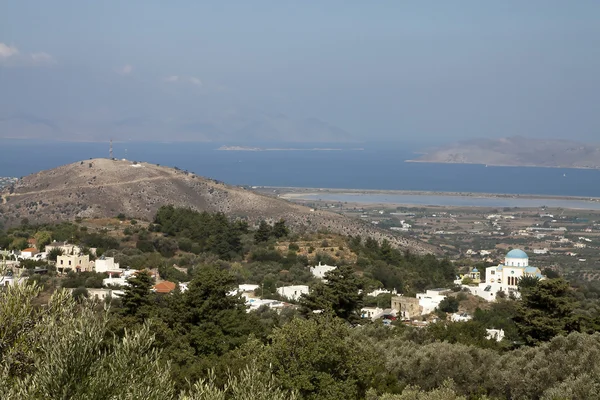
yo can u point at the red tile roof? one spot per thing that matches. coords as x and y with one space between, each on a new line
164 287
29 250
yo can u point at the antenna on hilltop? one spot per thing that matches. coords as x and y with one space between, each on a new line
110 152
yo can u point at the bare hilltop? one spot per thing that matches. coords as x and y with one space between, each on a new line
516 152
101 188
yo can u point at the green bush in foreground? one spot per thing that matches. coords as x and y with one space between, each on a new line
64 351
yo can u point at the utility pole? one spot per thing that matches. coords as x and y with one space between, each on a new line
110 153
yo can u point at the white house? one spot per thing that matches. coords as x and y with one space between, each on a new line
243 288
540 251
66 248
463 317
495 334
377 292
115 281
28 253
79 263
370 312
102 294
247 287
254 304
9 280
320 270
505 277
293 292
106 264
431 299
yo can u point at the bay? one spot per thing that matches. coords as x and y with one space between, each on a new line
377 167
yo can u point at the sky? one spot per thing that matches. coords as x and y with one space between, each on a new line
300 70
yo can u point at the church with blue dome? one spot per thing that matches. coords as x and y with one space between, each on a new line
505 277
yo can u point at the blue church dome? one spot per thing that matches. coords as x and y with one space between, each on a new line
517 253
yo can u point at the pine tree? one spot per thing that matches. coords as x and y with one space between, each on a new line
340 294
279 229
137 294
546 310
263 233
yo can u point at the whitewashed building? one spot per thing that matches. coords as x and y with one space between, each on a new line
495 334
320 270
107 264
78 263
505 277
293 292
66 248
431 299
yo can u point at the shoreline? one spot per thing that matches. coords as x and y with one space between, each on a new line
501 165
298 192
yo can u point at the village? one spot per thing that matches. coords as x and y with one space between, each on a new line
497 281
566 240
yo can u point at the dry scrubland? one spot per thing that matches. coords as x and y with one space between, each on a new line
102 188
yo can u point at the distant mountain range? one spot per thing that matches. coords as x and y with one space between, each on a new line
229 128
516 151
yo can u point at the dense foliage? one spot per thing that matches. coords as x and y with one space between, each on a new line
202 343
207 232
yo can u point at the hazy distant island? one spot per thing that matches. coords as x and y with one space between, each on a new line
245 148
516 152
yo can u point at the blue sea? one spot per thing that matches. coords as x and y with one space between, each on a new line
378 166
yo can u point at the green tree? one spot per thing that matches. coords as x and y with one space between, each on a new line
18 244
546 310
527 282
145 246
137 294
54 253
64 351
166 246
263 233
80 293
280 229
449 305
217 321
319 359
341 294
250 384
43 238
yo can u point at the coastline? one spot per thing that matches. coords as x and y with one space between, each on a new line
298 192
502 165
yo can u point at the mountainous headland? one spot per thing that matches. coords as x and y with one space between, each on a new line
516 152
101 188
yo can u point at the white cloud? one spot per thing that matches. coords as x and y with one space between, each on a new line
125 69
12 57
7 51
184 79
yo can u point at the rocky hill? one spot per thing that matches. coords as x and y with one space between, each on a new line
104 188
516 151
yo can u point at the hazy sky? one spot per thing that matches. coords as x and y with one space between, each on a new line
378 70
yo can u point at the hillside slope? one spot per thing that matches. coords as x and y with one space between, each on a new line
104 188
